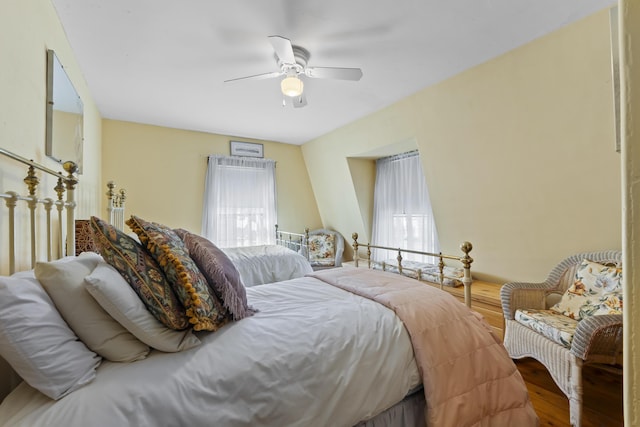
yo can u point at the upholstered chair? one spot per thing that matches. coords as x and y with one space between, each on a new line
325 249
571 319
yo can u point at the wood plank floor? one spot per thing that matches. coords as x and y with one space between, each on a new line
602 396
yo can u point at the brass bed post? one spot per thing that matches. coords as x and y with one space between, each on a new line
354 236
110 196
48 203
466 262
441 269
59 189
71 181
32 182
115 205
11 202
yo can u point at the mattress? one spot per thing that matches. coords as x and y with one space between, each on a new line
314 355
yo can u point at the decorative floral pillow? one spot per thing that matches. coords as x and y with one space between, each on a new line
142 273
596 290
204 308
322 249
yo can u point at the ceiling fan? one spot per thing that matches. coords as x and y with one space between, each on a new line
292 63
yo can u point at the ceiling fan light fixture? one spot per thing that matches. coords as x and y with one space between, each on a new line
292 86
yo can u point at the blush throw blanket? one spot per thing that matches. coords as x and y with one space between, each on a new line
468 377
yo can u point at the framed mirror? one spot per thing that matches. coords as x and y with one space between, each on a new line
64 124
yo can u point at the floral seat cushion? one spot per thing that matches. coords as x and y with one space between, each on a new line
596 290
551 324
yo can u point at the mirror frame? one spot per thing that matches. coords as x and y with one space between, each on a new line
65 93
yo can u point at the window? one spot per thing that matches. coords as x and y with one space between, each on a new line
239 202
402 214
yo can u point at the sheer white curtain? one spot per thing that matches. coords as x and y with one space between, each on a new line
239 201
402 214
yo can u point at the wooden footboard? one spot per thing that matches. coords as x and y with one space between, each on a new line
59 233
464 260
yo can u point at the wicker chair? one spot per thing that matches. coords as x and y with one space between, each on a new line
597 339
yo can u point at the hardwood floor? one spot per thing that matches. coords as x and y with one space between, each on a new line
602 396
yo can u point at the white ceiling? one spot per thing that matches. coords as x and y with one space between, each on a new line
164 62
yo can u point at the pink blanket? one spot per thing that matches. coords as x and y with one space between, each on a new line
468 377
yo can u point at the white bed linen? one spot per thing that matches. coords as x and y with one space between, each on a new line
267 264
314 355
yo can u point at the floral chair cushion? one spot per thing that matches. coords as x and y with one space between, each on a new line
597 290
555 326
322 250
203 307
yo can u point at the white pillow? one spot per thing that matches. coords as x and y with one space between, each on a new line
115 295
37 342
64 282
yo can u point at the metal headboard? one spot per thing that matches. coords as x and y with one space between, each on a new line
297 242
62 223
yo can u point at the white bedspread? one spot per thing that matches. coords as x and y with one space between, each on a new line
267 264
314 355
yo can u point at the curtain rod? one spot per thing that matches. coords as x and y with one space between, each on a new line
400 156
34 164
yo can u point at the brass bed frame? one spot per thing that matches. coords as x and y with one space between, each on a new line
465 260
59 229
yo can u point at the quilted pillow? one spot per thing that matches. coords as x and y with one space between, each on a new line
142 273
322 250
596 290
203 308
220 272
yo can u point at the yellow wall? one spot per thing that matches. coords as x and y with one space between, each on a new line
27 30
163 171
518 154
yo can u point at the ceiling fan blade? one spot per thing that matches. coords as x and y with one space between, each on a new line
299 101
257 76
334 73
283 48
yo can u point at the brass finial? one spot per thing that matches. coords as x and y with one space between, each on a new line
71 168
59 189
32 181
466 259
110 193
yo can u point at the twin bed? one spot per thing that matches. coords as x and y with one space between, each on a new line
257 265
341 347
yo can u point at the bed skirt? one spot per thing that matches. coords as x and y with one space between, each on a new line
409 412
